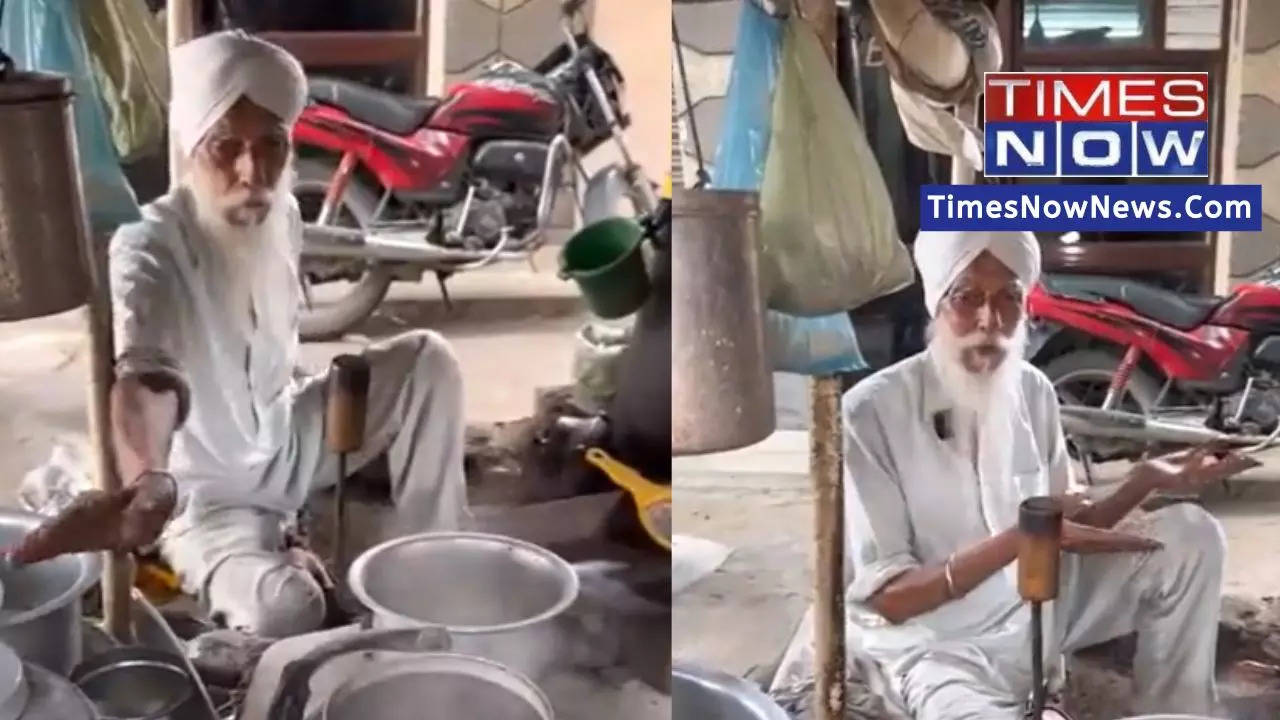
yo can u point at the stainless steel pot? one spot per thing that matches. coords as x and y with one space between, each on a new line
451 686
40 619
497 597
42 222
53 698
721 383
700 694
136 683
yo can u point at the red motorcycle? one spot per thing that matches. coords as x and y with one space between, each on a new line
1135 364
394 186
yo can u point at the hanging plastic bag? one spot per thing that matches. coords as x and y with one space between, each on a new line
812 345
130 62
808 346
748 107
45 35
829 238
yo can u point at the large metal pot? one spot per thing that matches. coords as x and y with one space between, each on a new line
497 597
40 619
700 694
448 685
42 222
136 683
721 384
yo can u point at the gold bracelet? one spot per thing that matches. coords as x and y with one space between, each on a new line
946 574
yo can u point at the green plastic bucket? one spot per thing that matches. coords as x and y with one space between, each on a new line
606 260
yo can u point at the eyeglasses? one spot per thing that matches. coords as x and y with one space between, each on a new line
1008 300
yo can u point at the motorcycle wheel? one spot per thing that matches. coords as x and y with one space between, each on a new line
1081 377
359 203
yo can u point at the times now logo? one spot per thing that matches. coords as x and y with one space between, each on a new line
1096 124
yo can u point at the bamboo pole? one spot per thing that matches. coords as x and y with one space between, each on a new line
824 468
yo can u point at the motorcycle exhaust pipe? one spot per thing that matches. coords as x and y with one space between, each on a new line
1119 425
405 247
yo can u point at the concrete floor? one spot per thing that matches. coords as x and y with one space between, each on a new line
512 328
758 502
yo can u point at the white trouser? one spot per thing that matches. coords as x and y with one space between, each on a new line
233 557
1170 597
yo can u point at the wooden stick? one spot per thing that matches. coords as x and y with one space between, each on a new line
828 626
117 579
824 466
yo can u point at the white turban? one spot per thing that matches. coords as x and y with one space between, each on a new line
943 256
210 73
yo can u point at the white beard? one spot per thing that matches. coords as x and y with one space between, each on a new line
251 260
982 394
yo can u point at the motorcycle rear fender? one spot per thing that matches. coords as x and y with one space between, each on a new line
608 195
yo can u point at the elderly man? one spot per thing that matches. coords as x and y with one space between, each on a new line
217 439
941 448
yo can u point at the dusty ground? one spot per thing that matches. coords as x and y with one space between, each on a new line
758 502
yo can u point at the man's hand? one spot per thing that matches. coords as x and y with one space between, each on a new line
125 520
1190 472
1086 540
1073 505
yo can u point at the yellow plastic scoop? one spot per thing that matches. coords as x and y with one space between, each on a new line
652 500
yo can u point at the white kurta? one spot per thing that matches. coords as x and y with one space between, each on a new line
251 447
912 498
175 311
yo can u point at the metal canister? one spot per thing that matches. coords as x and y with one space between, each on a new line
42 221
721 381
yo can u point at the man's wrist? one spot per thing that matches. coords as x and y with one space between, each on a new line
165 485
1144 479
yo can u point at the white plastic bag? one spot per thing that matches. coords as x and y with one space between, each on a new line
828 235
596 363
50 488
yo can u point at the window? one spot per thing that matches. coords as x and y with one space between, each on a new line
1088 23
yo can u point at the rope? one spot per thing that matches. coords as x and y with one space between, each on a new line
702 177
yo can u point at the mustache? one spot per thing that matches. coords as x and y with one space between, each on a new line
981 339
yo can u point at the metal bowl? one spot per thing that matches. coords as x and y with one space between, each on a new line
496 596
40 618
451 686
135 683
700 694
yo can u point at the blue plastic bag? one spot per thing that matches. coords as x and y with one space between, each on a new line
812 345
45 35
748 111
804 345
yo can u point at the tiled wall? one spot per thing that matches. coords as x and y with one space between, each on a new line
478 32
1258 156
708 31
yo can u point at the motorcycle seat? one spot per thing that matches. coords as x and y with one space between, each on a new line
396 114
1184 312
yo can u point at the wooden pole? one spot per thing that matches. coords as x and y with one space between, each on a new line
180 26
824 467
117 577
436 10
828 627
